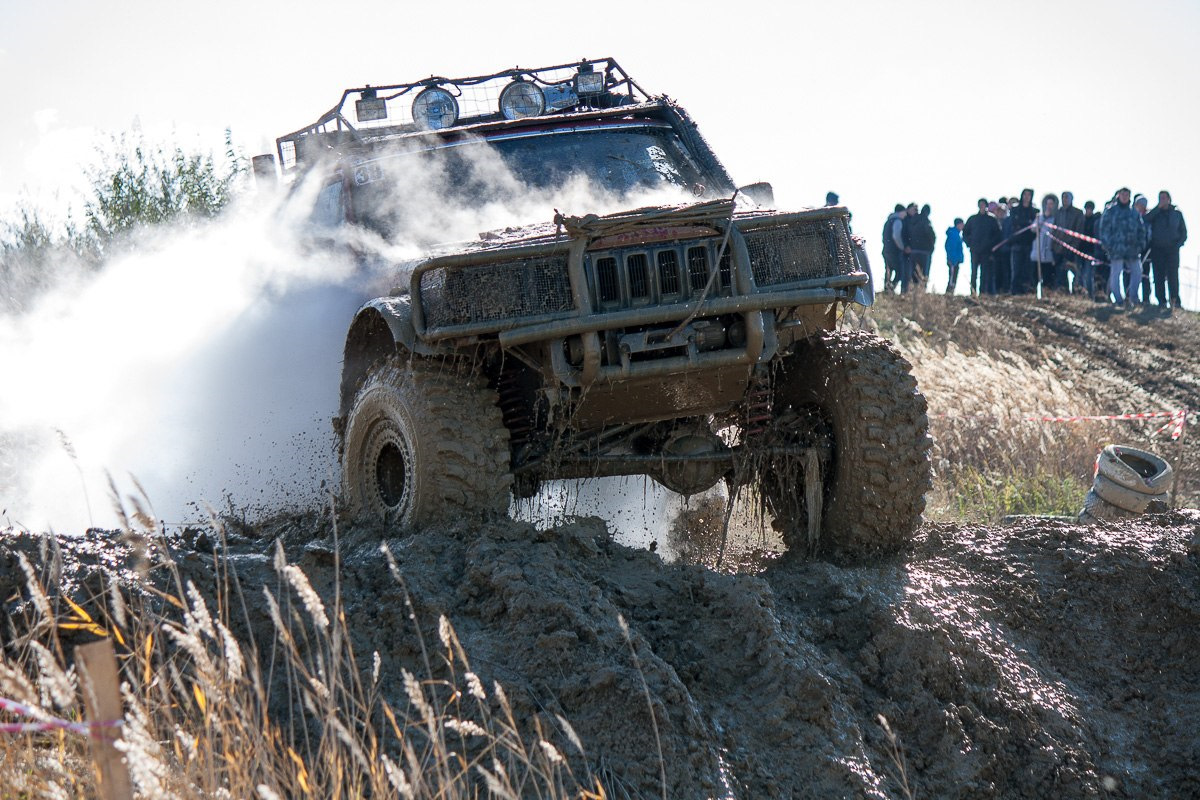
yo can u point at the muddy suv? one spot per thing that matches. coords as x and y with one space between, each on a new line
694 342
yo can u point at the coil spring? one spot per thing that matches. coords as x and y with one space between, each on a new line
515 409
759 410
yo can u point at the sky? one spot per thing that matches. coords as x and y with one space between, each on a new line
882 102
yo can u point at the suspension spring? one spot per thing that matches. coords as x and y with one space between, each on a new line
759 410
515 409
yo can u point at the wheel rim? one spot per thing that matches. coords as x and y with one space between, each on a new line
391 475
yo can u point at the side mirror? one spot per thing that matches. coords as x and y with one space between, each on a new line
264 170
762 193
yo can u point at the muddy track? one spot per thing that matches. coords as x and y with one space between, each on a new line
1040 660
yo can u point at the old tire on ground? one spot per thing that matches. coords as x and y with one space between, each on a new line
855 393
1135 469
1123 497
425 442
1096 509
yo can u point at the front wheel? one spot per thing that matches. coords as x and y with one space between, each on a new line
425 443
850 396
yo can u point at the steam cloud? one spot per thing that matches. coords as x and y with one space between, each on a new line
204 363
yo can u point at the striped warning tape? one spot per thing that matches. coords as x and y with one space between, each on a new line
1176 420
1070 232
1079 253
45 723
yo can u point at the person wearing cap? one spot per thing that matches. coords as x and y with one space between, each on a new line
1141 205
1168 232
981 232
1123 237
1066 261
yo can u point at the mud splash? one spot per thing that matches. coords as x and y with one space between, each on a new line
1039 660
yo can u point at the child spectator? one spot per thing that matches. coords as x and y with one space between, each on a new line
954 254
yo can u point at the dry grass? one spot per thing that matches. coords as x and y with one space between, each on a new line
203 720
988 459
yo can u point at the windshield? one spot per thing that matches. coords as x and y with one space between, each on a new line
613 160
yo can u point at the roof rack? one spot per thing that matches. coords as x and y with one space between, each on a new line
438 103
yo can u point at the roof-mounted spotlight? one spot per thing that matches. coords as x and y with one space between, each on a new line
435 108
521 99
588 81
369 107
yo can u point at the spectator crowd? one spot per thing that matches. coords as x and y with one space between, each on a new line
1109 255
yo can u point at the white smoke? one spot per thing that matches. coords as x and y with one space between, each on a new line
204 363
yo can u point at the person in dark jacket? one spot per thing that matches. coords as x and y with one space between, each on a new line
893 248
1066 261
1168 232
981 232
1023 217
919 241
1123 236
1093 272
1002 251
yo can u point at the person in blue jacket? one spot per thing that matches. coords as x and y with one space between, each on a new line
954 253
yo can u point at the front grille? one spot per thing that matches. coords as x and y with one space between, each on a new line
799 251
673 272
528 287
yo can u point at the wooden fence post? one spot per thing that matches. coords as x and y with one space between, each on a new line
97 666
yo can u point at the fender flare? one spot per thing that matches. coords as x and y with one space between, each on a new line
381 328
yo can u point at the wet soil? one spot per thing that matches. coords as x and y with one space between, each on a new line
1043 659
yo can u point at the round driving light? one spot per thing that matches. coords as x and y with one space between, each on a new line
521 99
435 108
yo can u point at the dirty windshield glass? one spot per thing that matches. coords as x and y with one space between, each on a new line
613 160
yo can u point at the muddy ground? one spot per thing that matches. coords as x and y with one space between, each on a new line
1042 659
1037 660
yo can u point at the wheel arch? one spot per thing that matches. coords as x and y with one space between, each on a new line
380 329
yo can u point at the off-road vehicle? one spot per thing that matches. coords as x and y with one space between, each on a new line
693 343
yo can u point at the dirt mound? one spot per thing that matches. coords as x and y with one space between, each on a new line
1040 660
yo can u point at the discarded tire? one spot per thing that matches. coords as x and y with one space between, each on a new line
1128 482
1096 509
1120 496
1135 469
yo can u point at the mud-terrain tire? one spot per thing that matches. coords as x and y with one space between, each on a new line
1139 470
865 398
1123 497
425 442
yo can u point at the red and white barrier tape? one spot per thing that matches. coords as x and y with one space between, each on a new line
1175 419
50 724
1080 253
1014 235
1070 232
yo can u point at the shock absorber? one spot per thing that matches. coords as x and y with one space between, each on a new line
759 410
515 407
